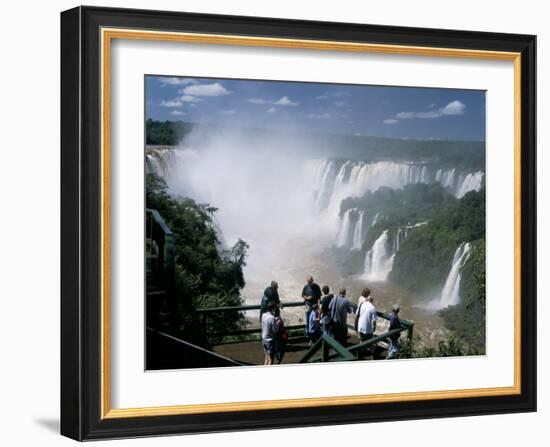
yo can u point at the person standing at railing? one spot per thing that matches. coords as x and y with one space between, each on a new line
314 325
311 293
271 293
339 309
394 339
270 329
365 319
325 314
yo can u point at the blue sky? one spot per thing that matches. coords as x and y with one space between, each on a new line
397 112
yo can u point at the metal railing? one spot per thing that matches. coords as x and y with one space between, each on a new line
204 314
325 344
160 261
330 349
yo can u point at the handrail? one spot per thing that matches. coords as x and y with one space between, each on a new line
213 356
325 343
374 340
206 310
161 234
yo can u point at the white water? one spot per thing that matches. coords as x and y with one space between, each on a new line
450 293
472 182
344 235
353 179
358 232
379 259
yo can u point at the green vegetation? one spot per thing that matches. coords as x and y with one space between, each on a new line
207 275
462 155
166 133
424 258
425 255
453 347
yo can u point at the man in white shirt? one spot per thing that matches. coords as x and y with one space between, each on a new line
366 319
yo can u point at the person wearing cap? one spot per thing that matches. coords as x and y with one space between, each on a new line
394 339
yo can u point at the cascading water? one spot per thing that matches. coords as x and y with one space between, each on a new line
344 234
159 161
358 232
450 293
472 182
379 259
334 183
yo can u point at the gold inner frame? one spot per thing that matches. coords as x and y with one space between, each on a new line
107 35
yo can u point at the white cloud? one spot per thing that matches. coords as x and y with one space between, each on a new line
271 110
171 103
321 97
453 108
189 98
258 101
340 103
391 121
177 112
227 112
319 116
284 101
176 81
215 89
405 115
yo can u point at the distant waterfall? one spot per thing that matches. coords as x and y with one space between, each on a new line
159 161
450 293
472 182
344 235
358 232
333 181
379 259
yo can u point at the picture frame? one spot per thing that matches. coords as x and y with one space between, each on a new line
86 209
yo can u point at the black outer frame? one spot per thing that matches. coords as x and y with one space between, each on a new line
81 208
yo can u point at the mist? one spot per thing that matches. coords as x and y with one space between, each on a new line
263 188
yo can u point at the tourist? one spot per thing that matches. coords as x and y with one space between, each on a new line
394 339
314 326
270 328
281 337
325 314
271 293
339 309
311 293
364 295
366 317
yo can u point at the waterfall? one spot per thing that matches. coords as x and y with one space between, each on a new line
472 182
379 259
324 184
450 293
334 181
159 161
344 234
358 232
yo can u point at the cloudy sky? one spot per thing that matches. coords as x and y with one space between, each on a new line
400 112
